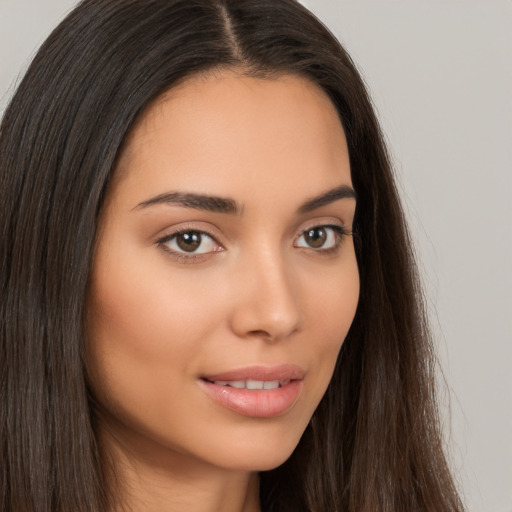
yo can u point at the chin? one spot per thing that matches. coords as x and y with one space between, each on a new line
262 452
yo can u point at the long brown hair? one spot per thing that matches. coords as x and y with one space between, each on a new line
373 445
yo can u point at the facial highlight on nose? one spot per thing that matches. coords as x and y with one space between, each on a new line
267 305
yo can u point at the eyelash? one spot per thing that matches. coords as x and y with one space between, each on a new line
339 232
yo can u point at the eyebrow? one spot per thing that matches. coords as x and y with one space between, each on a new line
335 194
231 207
197 201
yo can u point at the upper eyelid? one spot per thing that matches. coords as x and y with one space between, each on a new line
174 234
335 227
168 233
324 222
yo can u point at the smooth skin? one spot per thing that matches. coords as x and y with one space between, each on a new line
179 291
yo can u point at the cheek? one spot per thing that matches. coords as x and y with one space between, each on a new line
333 296
144 337
136 303
331 310
144 329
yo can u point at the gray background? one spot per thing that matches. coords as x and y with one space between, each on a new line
440 73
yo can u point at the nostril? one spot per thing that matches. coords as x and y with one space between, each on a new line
260 333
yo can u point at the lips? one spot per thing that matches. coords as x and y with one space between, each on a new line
257 391
263 373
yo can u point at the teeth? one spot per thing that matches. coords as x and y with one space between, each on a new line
240 384
252 384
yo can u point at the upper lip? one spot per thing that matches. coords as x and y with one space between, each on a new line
280 372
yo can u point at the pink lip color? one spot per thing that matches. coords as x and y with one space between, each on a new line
262 403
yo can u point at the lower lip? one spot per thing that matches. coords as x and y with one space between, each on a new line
260 403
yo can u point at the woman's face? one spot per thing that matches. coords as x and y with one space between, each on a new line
224 262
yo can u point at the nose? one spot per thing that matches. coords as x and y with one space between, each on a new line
267 300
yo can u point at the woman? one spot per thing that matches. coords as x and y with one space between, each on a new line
195 315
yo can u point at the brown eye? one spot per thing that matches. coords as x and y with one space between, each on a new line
321 237
191 242
315 237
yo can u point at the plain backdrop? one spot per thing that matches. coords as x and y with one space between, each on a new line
440 74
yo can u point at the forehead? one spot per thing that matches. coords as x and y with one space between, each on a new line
222 131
